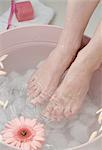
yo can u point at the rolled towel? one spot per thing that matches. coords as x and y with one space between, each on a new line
24 11
43 15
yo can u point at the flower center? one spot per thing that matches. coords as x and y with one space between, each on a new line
24 134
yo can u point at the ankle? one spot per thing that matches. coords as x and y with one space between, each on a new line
89 61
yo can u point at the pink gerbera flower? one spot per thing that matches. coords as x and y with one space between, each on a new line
24 134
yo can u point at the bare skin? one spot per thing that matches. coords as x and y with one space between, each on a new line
45 81
69 96
41 91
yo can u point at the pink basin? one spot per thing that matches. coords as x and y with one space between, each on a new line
27 46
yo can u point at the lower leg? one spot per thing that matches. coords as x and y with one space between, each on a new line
70 95
46 79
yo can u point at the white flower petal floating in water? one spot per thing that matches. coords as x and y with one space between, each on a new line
1 65
93 136
5 104
100 130
1 103
100 118
99 111
24 133
2 58
3 72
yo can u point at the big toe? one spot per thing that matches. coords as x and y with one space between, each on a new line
41 98
49 109
34 92
57 113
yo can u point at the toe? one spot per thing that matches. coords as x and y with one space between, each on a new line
55 108
75 108
37 99
31 84
35 94
57 113
50 107
48 111
71 110
32 90
42 97
68 112
54 114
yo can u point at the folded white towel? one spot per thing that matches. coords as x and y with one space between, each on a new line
43 13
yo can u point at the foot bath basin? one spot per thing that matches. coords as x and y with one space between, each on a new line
25 47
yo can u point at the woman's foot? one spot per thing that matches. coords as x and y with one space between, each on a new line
70 95
46 79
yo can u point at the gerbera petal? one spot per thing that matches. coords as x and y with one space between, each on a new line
9 141
18 144
33 146
37 144
34 120
8 135
17 122
5 131
22 146
22 120
14 123
38 126
8 125
27 146
40 133
29 122
14 143
38 138
25 134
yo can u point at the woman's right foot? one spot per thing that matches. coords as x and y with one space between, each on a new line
46 79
